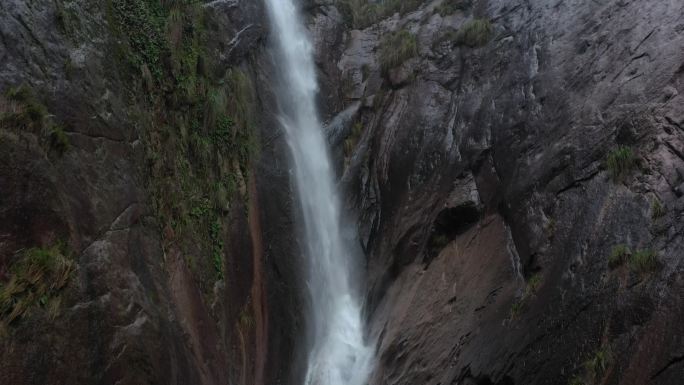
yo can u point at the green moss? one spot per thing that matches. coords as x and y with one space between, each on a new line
474 33
36 277
397 48
621 162
618 255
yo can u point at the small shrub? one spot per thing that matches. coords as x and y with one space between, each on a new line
577 380
397 48
618 255
475 33
657 209
643 261
621 162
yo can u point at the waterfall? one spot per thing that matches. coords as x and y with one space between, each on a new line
338 354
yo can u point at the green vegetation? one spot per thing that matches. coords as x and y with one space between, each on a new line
141 24
474 33
21 110
618 255
621 162
198 125
37 277
657 209
245 317
58 139
449 7
217 248
532 286
397 48
363 13
533 283
643 261
517 308
597 365
353 139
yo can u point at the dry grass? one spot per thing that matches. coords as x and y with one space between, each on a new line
37 277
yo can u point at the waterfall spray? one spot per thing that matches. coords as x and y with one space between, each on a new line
338 354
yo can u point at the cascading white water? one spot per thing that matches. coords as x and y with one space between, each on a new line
338 354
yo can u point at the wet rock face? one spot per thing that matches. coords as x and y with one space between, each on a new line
489 201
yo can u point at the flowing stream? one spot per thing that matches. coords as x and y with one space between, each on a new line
338 354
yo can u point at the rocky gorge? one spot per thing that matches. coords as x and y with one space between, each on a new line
514 170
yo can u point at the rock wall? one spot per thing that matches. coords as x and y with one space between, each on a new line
515 168
494 214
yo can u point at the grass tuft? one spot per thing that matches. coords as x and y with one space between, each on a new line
657 209
618 255
397 48
474 33
36 279
58 139
643 261
598 364
621 162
